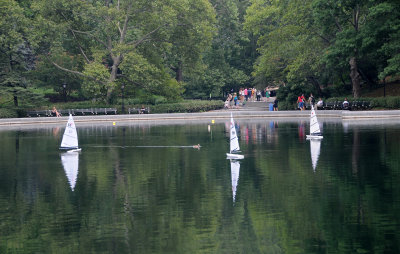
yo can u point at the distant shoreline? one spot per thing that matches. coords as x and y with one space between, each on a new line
204 116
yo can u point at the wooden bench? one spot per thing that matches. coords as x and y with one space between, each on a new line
64 112
105 111
365 105
83 111
329 105
337 105
138 111
360 105
307 106
38 113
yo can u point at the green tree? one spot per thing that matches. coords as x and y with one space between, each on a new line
328 42
105 34
190 36
289 46
381 39
16 55
114 29
225 64
342 21
363 38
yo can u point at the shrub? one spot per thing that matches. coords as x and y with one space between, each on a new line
8 113
392 102
151 99
187 106
286 105
378 102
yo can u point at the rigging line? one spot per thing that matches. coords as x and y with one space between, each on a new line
143 146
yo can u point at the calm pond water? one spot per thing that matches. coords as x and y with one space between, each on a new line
134 189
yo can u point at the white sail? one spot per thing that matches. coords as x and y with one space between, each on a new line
235 168
234 142
315 146
314 126
70 162
70 138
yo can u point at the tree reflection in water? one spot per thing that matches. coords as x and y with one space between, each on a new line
179 200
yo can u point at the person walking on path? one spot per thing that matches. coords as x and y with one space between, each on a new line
275 104
258 93
300 100
311 99
236 101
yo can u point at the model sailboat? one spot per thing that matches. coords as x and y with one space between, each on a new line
70 139
234 143
315 147
235 168
70 162
315 132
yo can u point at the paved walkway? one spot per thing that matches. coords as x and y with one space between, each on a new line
245 113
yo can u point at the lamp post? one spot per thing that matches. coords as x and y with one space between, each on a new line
65 92
122 95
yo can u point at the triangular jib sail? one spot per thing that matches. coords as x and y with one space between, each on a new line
234 142
70 138
314 126
70 162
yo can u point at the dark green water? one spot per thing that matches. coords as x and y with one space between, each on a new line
130 198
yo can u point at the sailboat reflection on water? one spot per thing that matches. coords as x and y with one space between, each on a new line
70 162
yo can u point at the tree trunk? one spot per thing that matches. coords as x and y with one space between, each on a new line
316 84
15 101
113 76
355 77
178 72
179 75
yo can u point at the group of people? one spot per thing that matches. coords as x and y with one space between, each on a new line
234 100
301 102
251 94
245 94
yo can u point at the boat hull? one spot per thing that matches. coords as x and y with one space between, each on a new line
234 156
314 137
74 150
71 149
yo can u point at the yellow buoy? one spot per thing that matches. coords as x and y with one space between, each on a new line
113 123
212 121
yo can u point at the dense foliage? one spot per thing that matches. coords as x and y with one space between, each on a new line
101 50
321 43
